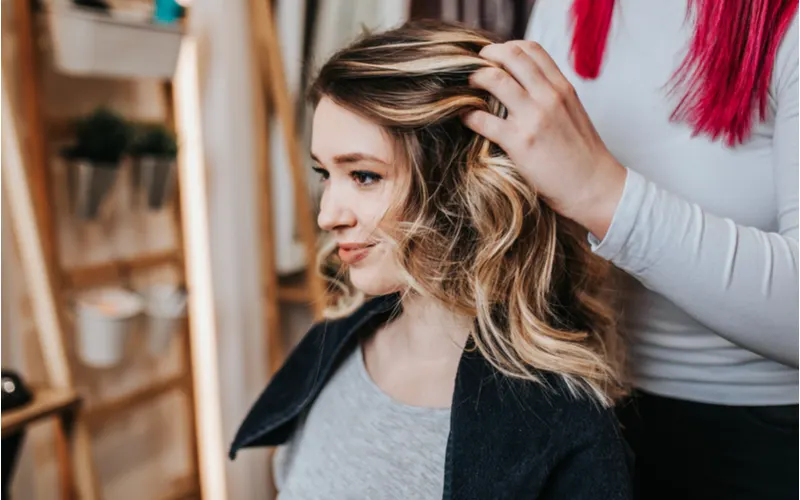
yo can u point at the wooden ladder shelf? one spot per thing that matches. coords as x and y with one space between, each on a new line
27 182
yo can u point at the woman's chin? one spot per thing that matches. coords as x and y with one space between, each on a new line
374 282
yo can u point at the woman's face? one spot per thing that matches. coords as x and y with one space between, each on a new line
363 182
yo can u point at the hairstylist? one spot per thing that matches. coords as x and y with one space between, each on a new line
681 159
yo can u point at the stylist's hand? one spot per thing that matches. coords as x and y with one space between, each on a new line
548 134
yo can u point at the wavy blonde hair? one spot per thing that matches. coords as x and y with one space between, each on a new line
474 235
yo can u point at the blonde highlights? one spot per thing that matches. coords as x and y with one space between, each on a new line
474 235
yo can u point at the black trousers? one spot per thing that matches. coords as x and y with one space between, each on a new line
687 451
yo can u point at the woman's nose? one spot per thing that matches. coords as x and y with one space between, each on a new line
334 212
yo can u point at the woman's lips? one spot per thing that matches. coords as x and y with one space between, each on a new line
350 253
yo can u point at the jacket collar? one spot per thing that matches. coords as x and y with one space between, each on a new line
305 372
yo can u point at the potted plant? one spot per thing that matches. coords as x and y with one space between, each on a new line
101 141
153 151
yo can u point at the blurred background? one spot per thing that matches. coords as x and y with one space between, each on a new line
157 226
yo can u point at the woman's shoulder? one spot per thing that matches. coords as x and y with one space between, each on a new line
554 410
581 427
551 409
567 441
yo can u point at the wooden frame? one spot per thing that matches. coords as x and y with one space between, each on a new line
47 316
203 348
34 222
47 402
61 404
53 281
271 81
100 414
116 270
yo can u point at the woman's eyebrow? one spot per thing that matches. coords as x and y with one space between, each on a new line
352 158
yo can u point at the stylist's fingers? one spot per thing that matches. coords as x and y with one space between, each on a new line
564 90
503 86
514 59
542 99
488 125
546 65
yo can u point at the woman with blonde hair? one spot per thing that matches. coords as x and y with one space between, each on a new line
471 350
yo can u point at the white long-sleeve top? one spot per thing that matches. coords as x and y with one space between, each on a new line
707 235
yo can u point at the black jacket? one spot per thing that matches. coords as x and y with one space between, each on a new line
508 438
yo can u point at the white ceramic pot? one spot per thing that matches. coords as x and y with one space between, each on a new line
165 307
103 320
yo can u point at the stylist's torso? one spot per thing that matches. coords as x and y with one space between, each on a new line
706 234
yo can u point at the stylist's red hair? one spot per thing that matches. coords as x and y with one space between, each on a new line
727 70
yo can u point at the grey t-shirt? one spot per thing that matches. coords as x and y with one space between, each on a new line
356 442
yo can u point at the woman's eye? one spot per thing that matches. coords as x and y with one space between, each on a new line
365 178
323 174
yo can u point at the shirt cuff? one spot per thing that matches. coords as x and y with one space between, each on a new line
624 220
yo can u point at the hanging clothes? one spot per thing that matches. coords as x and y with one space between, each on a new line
506 18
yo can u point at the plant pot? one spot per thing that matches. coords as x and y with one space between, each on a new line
87 42
153 181
103 322
165 307
90 184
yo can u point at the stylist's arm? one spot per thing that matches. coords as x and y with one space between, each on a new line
739 281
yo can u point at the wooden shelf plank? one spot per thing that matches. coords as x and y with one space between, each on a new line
186 488
294 293
102 412
109 271
46 402
285 112
295 289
